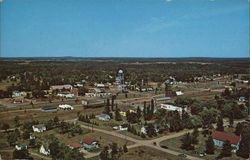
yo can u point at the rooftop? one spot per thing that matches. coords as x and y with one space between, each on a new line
75 145
88 140
222 136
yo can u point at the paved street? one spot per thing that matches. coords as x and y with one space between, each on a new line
148 143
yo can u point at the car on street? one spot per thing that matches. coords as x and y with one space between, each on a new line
182 155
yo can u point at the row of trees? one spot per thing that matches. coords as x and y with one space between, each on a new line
115 153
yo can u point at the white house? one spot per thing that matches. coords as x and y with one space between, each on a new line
100 85
144 129
122 127
39 128
44 149
89 143
85 102
67 95
242 99
66 107
104 117
170 107
179 93
16 94
21 147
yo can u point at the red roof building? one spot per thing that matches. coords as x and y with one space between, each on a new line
222 136
75 145
88 141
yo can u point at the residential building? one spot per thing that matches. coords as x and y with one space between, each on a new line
242 99
16 94
170 107
21 147
75 145
179 93
66 107
39 128
85 102
44 149
220 137
61 87
49 109
89 143
104 117
122 127
144 129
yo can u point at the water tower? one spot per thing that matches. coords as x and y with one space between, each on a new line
121 76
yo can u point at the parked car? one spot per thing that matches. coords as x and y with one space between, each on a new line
182 155
202 154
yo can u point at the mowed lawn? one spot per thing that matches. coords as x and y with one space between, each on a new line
146 153
175 143
102 138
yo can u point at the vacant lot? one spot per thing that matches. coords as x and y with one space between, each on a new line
145 153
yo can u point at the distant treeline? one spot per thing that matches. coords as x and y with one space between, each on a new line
40 73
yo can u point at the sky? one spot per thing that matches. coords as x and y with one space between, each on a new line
124 28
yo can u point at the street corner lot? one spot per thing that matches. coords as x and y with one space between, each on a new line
102 138
175 143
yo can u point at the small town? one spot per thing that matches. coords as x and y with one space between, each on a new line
124 80
202 117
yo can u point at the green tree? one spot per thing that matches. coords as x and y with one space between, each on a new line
138 112
195 135
32 142
210 145
196 108
12 138
186 120
125 148
187 142
54 148
238 129
244 147
118 116
150 129
104 155
208 116
26 134
21 154
107 109
17 121
56 119
114 151
226 150
5 126
220 126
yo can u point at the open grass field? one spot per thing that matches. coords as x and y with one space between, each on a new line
37 114
145 153
6 154
175 143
